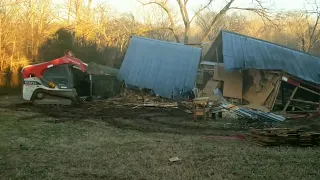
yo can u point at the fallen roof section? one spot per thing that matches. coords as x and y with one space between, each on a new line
166 68
244 52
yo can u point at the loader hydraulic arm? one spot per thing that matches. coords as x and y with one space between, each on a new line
37 70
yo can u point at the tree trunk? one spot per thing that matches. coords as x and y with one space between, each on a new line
1 60
69 12
218 16
186 34
32 27
13 51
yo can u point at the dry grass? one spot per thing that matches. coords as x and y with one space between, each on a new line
37 148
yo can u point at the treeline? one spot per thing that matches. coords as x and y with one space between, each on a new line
33 31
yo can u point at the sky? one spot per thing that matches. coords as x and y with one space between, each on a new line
127 6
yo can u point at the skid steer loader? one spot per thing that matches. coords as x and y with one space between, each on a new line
57 82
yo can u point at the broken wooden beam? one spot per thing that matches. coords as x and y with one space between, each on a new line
291 97
307 102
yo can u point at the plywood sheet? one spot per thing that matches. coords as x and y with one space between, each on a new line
233 88
233 82
259 98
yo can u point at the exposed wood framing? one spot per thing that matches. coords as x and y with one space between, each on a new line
291 97
276 93
307 89
302 101
298 85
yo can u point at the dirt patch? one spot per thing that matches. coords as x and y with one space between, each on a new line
145 119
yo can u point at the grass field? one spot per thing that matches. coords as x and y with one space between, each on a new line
39 146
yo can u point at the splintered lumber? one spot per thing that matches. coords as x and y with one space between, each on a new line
280 136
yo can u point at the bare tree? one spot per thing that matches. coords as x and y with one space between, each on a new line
233 22
187 20
313 13
304 26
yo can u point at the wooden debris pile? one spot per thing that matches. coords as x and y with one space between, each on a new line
138 99
284 136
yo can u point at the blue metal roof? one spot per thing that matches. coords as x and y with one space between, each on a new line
243 52
166 68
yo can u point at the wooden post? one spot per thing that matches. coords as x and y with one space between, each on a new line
302 101
204 112
291 97
194 111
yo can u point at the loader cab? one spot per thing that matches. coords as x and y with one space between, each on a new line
66 76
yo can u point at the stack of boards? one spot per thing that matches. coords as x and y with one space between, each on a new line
284 136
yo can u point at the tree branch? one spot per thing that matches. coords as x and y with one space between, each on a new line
200 10
260 11
183 13
163 5
216 18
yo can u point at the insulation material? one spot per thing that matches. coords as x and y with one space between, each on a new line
233 82
256 74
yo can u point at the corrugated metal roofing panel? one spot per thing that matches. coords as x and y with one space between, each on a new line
243 52
166 68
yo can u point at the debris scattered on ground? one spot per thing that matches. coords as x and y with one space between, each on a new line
254 114
174 159
236 137
246 112
284 136
139 99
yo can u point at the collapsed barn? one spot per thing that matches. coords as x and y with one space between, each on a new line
260 75
250 73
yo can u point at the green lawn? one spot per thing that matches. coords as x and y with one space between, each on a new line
40 147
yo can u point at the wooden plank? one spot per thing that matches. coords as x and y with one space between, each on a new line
276 94
291 97
276 80
307 89
302 101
